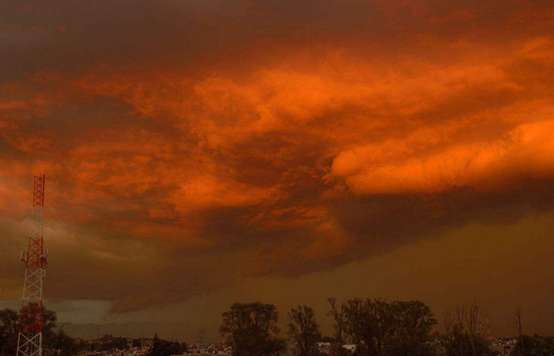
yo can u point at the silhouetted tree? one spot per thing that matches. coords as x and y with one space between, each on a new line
252 329
9 325
379 327
54 341
63 345
413 322
534 346
304 331
156 349
340 327
462 333
116 343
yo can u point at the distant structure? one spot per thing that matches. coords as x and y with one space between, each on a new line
29 340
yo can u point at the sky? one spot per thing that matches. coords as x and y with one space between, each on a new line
202 152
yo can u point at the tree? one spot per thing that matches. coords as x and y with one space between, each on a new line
162 347
413 322
534 346
118 343
54 341
63 344
370 324
9 325
339 326
462 333
252 329
136 343
157 348
378 327
304 331
531 345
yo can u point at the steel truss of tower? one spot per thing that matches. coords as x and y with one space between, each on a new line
29 340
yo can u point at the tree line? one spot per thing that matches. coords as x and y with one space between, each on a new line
55 340
162 347
373 327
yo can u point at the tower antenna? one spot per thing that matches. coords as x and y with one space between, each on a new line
29 339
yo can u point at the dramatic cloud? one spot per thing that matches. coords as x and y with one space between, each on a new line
188 144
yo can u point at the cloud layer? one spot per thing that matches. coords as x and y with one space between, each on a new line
189 144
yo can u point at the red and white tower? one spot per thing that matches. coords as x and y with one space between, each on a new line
29 341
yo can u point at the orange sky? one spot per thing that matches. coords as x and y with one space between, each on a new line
284 140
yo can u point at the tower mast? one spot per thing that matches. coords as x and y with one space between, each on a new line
29 340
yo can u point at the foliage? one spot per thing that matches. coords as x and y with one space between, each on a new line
9 325
252 329
137 342
64 344
463 336
54 341
534 346
111 343
379 327
166 348
304 331
339 327
462 345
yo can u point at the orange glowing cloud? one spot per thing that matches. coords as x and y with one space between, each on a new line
524 152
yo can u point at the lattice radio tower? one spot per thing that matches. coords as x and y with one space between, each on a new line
29 340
